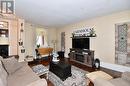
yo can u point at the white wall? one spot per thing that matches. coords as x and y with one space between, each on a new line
51 36
104 43
31 32
30 36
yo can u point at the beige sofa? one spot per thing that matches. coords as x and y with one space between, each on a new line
13 73
124 80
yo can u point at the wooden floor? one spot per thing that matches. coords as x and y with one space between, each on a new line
46 62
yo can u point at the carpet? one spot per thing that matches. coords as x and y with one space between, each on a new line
77 79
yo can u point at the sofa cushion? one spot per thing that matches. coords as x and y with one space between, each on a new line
11 65
22 77
120 82
3 71
40 82
99 74
1 82
3 76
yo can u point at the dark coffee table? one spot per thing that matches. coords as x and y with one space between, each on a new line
61 69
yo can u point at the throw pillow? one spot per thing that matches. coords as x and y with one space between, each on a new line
11 65
102 82
3 76
101 74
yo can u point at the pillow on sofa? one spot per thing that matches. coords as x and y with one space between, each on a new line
3 75
100 74
11 65
102 82
40 82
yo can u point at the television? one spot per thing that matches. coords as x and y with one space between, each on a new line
80 43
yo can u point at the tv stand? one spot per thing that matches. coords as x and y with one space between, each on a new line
82 56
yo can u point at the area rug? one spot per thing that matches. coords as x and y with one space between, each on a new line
77 79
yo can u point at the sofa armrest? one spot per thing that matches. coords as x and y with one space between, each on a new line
101 82
24 63
40 82
126 76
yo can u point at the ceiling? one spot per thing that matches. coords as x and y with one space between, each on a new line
58 13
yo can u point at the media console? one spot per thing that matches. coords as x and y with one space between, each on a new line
82 56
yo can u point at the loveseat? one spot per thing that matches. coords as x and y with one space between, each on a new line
14 73
124 80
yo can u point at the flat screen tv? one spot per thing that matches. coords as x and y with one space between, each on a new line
80 43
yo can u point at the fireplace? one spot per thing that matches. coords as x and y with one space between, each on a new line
4 51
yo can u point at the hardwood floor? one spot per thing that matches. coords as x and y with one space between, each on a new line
84 67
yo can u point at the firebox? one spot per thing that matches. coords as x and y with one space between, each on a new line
4 51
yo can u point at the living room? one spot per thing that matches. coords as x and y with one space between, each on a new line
59 22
